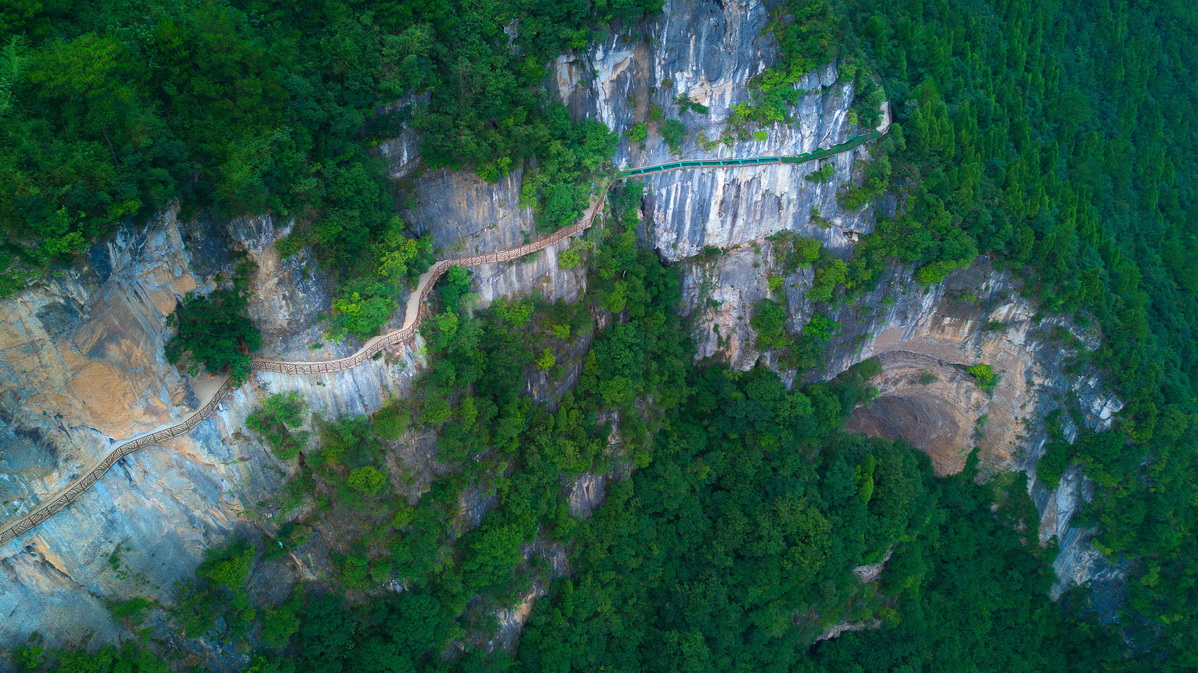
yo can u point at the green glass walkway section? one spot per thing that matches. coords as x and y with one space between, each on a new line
850 144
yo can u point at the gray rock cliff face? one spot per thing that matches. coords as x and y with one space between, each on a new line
465 215
82 363
709 52
84 367
977 315
925 337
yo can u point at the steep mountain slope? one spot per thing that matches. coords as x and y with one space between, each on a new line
84 364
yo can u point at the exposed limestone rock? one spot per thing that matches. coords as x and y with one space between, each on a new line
65 611
511 621
587 493
84 366
848 627
870 572
1078 562
83 345
932 404
720 294
710 51
287 296
976 316
466 216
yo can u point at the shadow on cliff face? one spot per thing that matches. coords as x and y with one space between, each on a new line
928 422
932 404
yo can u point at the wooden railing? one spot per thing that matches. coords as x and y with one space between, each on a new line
378 344
373 347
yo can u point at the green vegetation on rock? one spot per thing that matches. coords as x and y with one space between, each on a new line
985 376
244 107
822 174
274 421
672 133
214 331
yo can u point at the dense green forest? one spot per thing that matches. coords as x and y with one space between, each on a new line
1055 137
1059 136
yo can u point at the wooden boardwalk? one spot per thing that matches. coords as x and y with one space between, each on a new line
414 313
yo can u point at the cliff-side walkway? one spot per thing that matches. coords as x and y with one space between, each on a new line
414 313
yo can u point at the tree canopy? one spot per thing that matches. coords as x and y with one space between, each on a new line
214 331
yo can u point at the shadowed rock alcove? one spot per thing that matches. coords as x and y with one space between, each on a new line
931 404
928 422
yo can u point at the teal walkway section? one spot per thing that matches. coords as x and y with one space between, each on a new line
850 144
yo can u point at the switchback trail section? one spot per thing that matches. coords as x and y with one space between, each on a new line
414 313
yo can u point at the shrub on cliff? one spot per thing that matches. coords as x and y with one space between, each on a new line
672 132
367 480
985 376
391 421
769 320
228 566
829 272
219 592
455 289
362 309
273 420
215 332
637 133
822 174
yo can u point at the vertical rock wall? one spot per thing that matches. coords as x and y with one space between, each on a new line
465 216
709 51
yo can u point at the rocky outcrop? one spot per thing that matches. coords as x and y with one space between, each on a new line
84 367
925 337
287 296
933 404
975 316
